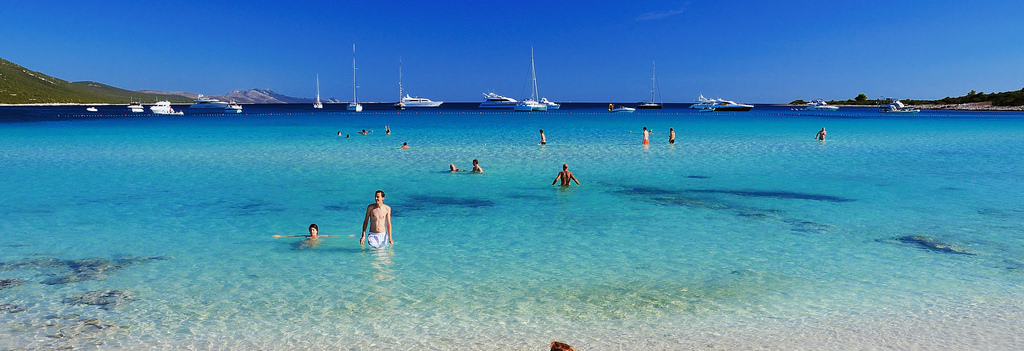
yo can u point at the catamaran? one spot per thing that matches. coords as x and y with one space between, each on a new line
531 104
354 106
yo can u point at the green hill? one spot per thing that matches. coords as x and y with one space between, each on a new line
19 85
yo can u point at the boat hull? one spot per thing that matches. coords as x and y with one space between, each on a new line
734 108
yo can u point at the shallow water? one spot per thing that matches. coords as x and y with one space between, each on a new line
744 234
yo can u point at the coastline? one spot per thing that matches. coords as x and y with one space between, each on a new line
973 106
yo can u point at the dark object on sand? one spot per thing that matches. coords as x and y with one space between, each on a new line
557 346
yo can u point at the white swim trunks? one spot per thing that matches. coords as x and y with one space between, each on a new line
377 239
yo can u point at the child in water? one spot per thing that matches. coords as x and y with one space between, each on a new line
311 240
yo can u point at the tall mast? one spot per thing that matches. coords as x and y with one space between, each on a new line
399 80
652 81
354 74
533 74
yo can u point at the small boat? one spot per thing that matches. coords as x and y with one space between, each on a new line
726 105
91 109
531 104
492 100
164 108
651 105
233 107
615 109
820 105
897 107
136 107
551 104
318 104
354 106
202 102
703 102
707 109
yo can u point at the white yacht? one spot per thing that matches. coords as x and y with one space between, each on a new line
898 107
233 107
726 105
203 102
318 104
164 108
551 104
531 104
492 100
703 103
91 109
354 106
820 105
413 102
653 105
136 107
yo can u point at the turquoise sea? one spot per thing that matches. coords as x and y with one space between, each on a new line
143 232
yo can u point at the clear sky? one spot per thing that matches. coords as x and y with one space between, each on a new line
599 51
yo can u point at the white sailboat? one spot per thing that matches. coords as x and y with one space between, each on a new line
400 105
531 104
654 87
318 104
354 106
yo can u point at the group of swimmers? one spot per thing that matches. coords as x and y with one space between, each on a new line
647 136
476 167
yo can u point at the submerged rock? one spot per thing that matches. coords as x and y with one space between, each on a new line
11 308
10 283
106 299
930 244
69 271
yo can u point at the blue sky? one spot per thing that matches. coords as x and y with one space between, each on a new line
600 51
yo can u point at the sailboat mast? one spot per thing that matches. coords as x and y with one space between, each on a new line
533 74
652 80
399 80
354 74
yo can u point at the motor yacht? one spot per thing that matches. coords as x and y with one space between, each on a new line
414 102
897 107
820 105
136 107
91 109
164 108
203 102
726 105
492 100
703 103
233 107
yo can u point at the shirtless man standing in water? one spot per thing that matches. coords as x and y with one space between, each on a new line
565 176
380 226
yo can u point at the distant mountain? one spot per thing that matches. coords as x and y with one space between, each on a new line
266 96
19 85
